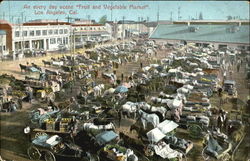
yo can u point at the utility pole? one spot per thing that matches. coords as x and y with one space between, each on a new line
147 25
74 41
22 34
88 27
179 13
158 14
123 18
111 12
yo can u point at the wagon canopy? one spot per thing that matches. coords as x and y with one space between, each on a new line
121 89
106 137
167 126
155 135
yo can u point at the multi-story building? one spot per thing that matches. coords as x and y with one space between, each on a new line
90 32
3 49
47 35
128 28
38 34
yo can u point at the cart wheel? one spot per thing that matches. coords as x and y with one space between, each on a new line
195 131
49 156
226 157
33 153
40 134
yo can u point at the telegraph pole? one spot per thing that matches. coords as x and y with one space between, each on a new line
158 14
88 27
111 12
22 34
123 18
179 13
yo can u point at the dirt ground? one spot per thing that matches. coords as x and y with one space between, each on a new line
14 143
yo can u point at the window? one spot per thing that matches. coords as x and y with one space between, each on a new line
65 31
38 32
32 33
61 31
56 32
44 32
66 40
17 33
25 33
50 32
52 41
59 40
26 44
90 28
4 48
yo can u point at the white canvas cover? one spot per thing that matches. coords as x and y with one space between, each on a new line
165 151
174 103
167 126
155 135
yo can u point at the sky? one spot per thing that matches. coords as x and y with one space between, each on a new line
211 10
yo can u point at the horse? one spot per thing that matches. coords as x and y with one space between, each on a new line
101 121
36 66
141 132
151 118
23 67
162 110
46 63
129 107
98 90
109 91
88 126
51 72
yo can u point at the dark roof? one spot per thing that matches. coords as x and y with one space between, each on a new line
206 33
92 33
151 24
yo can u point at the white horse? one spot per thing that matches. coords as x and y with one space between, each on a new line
98 90
130 107
109 91
160 109
145 118
88 126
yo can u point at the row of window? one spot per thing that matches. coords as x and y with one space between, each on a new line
41 32
92 28
59 40
2 48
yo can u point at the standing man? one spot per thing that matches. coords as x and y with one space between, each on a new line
122 77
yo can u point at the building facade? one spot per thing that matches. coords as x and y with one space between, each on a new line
3 48
49 36
90 32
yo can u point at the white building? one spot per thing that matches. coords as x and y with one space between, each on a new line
90 32
3 48
40 35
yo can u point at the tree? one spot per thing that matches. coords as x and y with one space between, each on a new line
200 16
103 19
